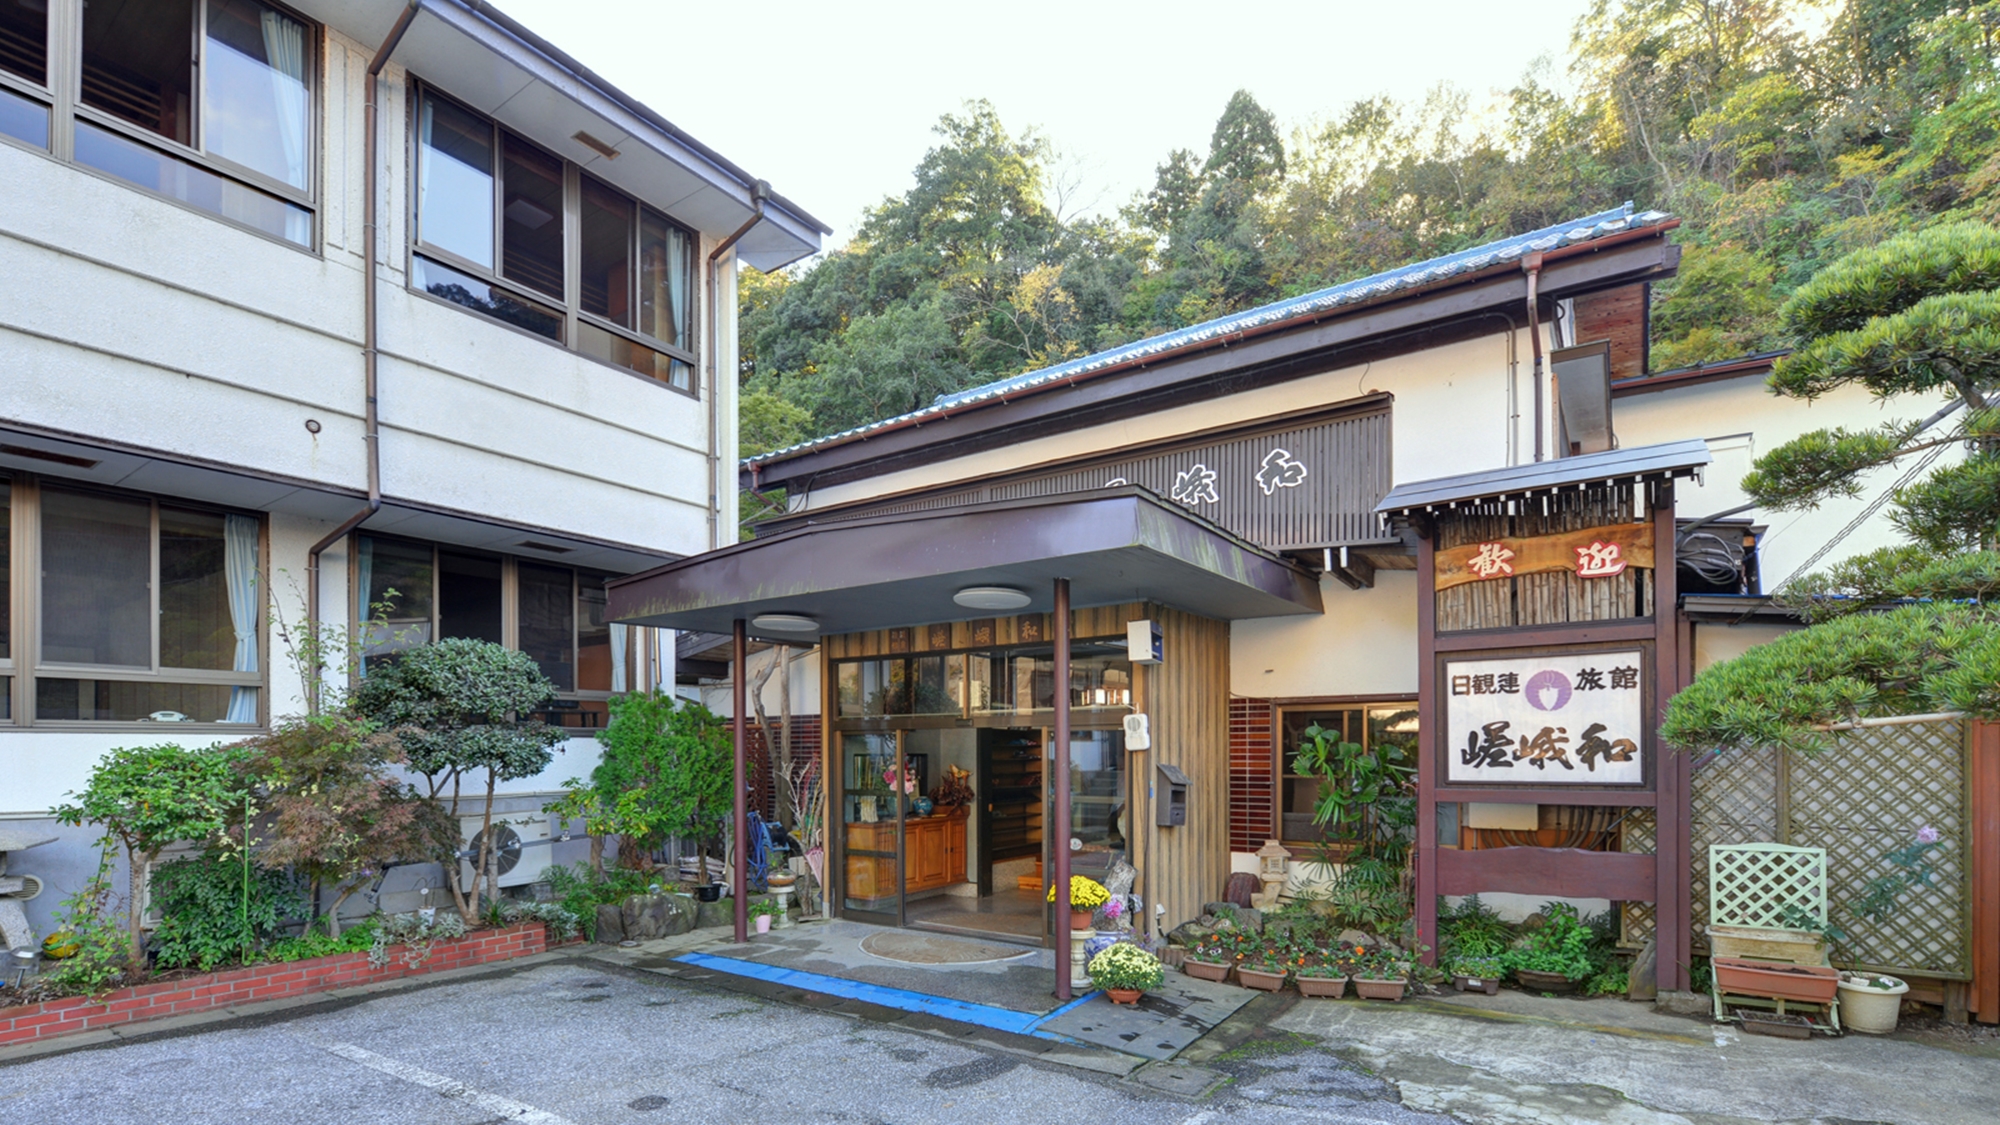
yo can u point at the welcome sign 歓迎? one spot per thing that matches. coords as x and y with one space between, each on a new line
1570 719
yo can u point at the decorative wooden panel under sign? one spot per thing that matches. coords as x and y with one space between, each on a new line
1095 623
1550 597
899 641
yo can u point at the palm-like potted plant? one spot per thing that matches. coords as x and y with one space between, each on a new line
1125 972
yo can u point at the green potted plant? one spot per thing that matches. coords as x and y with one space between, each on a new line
763 911
1266 967
1326 974
1382 974
1213 956
1555 958
1477 974
1125 972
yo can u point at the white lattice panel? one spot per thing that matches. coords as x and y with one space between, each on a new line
1756 884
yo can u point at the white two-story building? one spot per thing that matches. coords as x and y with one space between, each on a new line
306 303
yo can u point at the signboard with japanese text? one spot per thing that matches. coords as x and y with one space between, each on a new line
1598 552
1573 718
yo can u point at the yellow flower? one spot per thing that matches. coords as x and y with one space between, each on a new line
1085 893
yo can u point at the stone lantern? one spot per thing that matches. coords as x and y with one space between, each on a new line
1273 864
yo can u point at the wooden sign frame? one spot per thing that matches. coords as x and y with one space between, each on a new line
1661 877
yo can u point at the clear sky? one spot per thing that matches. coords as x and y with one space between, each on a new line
833 102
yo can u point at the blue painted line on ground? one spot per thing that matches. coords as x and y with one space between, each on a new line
902 999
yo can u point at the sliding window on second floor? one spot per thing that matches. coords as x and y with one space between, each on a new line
511 232
206 102
420 592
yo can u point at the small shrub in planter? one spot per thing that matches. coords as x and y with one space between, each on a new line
1321 978
761 914
1477 974
1555 958
1212 957
1382 975
1267 968
416 933
1125 972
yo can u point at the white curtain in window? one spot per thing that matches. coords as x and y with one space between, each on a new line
677 286
618 648
285 51
364 589
239 574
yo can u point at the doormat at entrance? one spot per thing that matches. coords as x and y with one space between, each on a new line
931 949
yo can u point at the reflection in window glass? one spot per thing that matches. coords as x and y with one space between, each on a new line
117 701
448 284
593 636
548 622
532 218
873 688
607 253
398 579
24 39
23 119
138 64
455 182
196 187
97 563
618 351
196 630
255 104
468 596
1097 796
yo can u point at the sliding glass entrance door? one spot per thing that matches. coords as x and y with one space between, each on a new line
872 826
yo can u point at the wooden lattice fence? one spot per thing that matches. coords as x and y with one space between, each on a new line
1864 796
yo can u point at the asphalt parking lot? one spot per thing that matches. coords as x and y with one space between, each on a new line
569 1042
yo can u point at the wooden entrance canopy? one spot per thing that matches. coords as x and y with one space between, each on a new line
1549 645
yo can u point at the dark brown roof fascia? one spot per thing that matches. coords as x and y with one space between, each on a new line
1365 333
1693 376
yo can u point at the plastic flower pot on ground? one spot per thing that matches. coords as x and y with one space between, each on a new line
1263 980
1124 995
1866 1008
1489 985
1330 987
763 923
1380 989
1206 970
1545 982
1814 984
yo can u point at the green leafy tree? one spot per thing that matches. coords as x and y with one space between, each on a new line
665 773
332 810
460 706
150 797
212 911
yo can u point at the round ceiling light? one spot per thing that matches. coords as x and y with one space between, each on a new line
784 623
990 597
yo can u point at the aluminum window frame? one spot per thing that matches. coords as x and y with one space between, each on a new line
1282 754
63 97
571 305
26 665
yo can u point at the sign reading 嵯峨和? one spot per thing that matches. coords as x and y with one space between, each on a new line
1565 719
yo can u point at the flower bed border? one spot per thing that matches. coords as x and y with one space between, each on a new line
28 1023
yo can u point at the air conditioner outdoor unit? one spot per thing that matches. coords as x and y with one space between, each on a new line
521 848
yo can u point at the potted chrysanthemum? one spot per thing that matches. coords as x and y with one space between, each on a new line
1125 972
1085 896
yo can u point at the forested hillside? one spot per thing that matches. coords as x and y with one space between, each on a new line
1784 133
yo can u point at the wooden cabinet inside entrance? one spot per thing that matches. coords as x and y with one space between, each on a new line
934 851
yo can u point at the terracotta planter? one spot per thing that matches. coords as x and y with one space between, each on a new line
1380 989
1124 995
1330 987
1810 983
1545 982
1206 970
1872 1011
1259 979
1489 985
1079 919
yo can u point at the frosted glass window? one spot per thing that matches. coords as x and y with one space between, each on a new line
455 182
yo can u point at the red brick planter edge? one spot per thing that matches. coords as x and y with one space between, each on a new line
29 1022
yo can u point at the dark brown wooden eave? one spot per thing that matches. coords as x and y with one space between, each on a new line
1459 309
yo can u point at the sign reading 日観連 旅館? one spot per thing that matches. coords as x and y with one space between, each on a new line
1551 719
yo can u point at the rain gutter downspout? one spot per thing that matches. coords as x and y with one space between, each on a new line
1531 264
759 192
370 422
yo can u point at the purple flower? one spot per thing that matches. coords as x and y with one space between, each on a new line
1927 835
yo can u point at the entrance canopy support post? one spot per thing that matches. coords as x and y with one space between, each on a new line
739 855
1058 832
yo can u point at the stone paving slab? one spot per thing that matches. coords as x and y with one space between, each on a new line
1164 1022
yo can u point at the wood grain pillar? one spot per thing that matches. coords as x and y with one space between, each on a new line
1430 743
